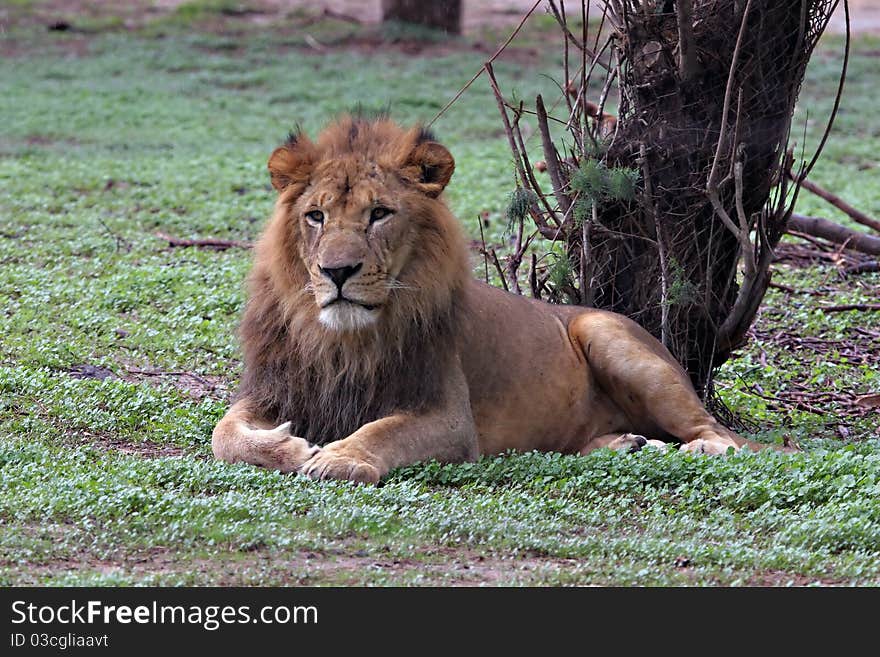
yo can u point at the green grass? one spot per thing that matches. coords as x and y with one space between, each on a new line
106 140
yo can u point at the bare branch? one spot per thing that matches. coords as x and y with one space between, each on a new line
515 259
748 249
483 68
661 249
122 244
732 331
869 266
837 97
839 203
571 38
533 278
499 268
721 212
728 94
588 265
518 155
688 66
483 250
551 158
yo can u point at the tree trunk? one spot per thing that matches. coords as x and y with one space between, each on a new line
670 213
438 14
716 126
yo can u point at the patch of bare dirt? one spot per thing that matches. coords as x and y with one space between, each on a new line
197 386
783 578
346 566
765 578
335 566
144 449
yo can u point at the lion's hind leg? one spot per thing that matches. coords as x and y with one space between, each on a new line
643 379
242 436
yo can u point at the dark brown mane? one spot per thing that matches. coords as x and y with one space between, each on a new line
328 384
329 393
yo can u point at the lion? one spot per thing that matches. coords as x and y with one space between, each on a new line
368 345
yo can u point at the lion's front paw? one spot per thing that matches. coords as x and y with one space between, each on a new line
279 450
331 464
714 446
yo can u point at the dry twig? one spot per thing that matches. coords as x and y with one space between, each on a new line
483 68
207 243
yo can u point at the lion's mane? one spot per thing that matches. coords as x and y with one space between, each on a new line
326 383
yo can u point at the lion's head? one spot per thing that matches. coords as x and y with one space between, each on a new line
359 209
356 279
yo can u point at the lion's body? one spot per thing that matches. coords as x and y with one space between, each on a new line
512 347
368 345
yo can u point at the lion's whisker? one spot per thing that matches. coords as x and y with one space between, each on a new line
394 284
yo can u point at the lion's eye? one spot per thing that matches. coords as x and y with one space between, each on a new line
380 213
315 217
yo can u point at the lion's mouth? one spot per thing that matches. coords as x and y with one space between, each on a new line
346 300
344 314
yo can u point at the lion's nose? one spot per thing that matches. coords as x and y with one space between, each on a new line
340 274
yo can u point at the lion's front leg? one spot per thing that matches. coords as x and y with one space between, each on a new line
378 447
243 436
446 433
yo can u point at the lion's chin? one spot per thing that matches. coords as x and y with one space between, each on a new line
345 316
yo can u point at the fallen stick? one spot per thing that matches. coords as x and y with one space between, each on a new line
792 290
863 267
191 375
819 227
819 244
840 204
850 306
207 243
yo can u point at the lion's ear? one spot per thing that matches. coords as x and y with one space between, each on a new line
292 163
433 166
